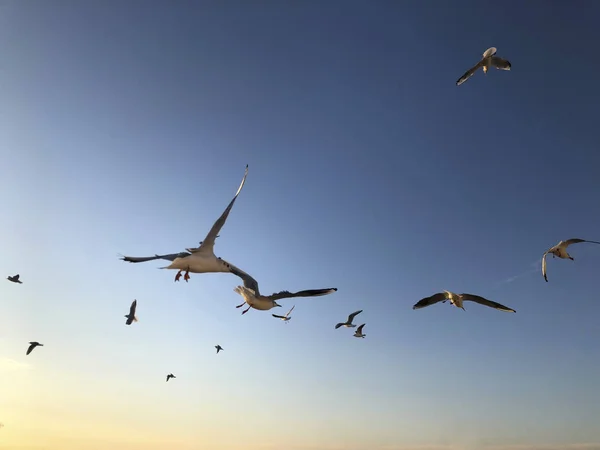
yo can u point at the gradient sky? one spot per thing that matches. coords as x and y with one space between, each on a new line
125 128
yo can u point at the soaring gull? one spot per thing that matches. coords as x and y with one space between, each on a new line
358 333
33 345
489 60
560 250
348 323
287 315
170 376
131 316
200 259
458 299
260 302
14 279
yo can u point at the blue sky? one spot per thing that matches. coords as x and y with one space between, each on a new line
125 128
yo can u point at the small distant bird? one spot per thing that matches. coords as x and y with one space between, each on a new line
201 259
219 348
348 323
560 250
489 60
458 299
131 316
287 315
170 376
14 279
359 333
33 345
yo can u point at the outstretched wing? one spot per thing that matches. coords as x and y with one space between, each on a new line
279 317
16 277
169 257
249 281
208 244
132 308
469 73
353 315
31 347
360 328
500 63
428 301
569 242
544 266
306 293
486 302
290 311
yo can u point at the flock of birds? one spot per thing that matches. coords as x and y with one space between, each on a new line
202 259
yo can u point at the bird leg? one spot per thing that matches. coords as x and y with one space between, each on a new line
246 310
187 275
178 276
239 306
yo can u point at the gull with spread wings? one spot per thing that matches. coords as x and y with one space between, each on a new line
458 299
287 315
348 323
560 250
489 60
201 259
260 302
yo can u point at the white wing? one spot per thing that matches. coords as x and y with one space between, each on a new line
208 244
544 266
489 52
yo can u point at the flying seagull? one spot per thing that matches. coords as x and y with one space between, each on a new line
348 323
489 60
219 348
255 300
131 316
33 345
287 315
358 333
14 279
560 250
201 259
457 300
170 376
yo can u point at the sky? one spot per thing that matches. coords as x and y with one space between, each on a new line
125 128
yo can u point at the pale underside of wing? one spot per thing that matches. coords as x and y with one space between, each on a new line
544 266
428 301
469 73
500 63
168 257
486 302
305 293
208 244
489 52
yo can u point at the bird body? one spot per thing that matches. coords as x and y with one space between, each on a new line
488 60
201 259
348 323
358 333
560 251
458 300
